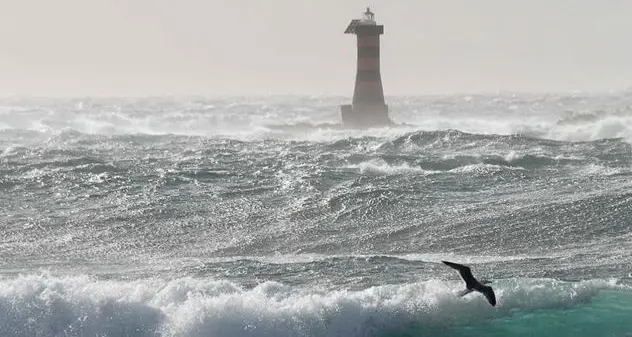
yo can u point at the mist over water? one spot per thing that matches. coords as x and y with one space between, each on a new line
259 216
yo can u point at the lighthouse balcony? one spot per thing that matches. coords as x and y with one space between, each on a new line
358 27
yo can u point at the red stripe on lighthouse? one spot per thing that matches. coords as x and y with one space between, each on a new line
369 63
369 86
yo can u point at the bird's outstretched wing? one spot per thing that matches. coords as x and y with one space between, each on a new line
464 271
489 294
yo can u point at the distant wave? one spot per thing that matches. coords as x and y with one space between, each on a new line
572 118
426 152
309 258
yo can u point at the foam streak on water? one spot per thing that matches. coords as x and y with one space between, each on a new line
258 216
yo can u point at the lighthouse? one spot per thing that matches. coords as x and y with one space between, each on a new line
368 108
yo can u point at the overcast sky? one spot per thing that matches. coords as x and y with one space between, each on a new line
138 47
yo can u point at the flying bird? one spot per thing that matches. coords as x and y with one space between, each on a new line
472 284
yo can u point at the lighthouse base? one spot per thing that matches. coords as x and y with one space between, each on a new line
365 116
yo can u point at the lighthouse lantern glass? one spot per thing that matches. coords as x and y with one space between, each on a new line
368 16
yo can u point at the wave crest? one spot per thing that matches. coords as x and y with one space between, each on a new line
47 305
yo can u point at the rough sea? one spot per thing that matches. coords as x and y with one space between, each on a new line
259 216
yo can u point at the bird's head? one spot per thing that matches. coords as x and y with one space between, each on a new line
486 281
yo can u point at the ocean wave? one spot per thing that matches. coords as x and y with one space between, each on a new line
140 188
45 305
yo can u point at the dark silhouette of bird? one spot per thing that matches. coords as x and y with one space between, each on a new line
472 284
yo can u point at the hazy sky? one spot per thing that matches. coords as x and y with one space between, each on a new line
131 47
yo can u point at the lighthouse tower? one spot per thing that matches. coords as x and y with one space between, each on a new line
368 107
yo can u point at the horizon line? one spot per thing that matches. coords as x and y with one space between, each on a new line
498 92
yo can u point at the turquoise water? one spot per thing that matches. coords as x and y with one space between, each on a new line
607 314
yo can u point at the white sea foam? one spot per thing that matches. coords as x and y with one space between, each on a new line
381 167
39 305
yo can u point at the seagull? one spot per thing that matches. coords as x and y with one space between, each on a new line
471 284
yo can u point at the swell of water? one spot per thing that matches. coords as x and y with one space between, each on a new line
260 217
